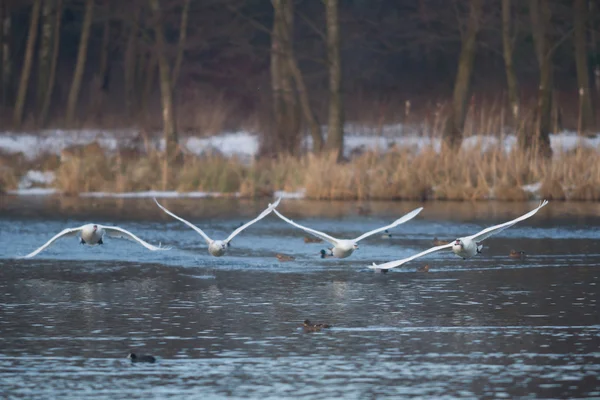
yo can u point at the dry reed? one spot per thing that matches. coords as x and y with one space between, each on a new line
398 174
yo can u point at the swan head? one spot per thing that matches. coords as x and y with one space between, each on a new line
458 244
95 227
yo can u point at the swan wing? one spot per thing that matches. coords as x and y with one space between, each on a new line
397 263
403 219
120 233
194 227
263 214
486 233
64 232
313 232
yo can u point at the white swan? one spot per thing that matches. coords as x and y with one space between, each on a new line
465 247
343 248
92 234
218 247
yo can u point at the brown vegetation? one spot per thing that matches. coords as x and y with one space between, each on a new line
398 174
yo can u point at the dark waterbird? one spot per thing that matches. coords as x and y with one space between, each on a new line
310 327
141 359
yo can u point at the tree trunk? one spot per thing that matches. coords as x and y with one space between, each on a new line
593 9
53 63
102 77
540 24
130 63
150 78
6 69
81 59
165 83
453 133
28 61
283 59
2 12
104 68
511 77
44 52
286 108
586 116
335 129
181 43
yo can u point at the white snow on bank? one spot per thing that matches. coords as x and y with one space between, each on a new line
240 143
33 192
301 194
34 177
53 141
246 145
158 194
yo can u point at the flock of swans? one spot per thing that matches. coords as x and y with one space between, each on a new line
465 247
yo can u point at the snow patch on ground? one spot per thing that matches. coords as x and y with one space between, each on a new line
301 194
246 144
532 187
34 177
158 194
33 192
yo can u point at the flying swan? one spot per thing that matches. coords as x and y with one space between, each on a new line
218 247
343 248
92 234
465 247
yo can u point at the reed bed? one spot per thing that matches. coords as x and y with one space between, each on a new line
397 174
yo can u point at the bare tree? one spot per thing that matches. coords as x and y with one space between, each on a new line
540 25
182 38
507 46
130 59
453 133
2 12
335 134
286 108
44 51
53 63
81 60
586 113
27 63
166 85
6 69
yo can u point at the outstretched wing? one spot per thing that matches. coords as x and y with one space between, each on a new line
64 232
397 263
194 227
486 233
116 232
263 214
397 222
318 234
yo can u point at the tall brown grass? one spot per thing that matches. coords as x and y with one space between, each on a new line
397 174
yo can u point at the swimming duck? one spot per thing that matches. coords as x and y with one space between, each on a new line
386 235
424 268
141 359
517 254
284 257
438 242
310 327
363 210
308 239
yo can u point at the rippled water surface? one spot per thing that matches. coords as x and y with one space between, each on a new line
229 327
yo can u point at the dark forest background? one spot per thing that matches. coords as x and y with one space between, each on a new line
107 64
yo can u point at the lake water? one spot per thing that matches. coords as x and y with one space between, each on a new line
491 327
